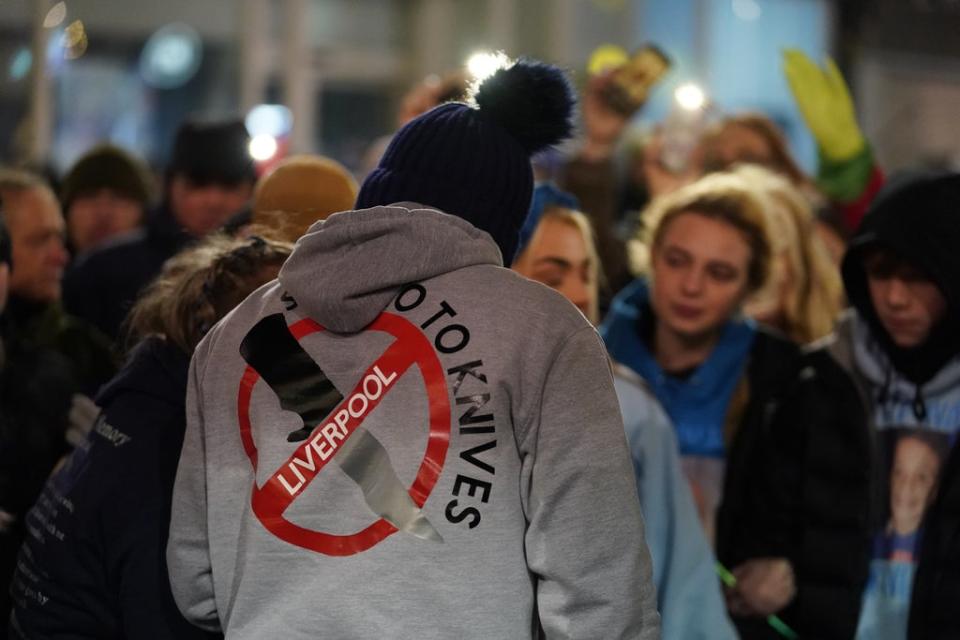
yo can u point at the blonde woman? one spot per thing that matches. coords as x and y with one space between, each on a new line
560 252
803 296
96 551
736 396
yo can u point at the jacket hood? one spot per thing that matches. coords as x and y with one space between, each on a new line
898 399
873 363
916 217
347 268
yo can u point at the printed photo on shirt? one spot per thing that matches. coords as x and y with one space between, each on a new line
914 459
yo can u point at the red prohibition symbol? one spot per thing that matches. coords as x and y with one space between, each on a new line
410 348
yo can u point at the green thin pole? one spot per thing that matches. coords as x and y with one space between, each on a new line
778 625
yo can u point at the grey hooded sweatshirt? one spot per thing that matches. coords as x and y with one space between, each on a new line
463 471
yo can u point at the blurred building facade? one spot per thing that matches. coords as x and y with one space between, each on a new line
134 68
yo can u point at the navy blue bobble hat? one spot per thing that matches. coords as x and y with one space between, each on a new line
473 160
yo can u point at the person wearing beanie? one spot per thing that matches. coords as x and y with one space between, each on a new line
430 443
300 191
896 360
51 362
209 177
104 195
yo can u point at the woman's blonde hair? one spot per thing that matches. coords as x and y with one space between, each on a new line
814 298
581 223
202 284
720 196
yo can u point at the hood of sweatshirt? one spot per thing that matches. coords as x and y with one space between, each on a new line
347 268
896 399
915 217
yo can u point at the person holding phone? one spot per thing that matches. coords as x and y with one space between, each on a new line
611 97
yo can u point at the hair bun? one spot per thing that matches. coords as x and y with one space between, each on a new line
532 100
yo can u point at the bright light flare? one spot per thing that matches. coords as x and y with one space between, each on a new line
269 119
690 97
484 64
20 64
171 56
56 15
263 147
74 40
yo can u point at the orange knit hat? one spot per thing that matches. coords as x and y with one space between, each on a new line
300 191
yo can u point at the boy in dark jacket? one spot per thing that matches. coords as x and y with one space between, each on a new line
901 347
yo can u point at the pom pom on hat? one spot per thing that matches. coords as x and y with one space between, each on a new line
531 100
300 191
473 161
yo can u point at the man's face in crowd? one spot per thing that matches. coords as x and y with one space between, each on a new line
908 304
36 237
96 216
203 207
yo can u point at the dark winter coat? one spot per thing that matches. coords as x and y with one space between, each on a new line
916 218
102 286
934 614
95 550
48 357
798 486
30 327
35 394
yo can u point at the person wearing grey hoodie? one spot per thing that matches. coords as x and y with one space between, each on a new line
877 406
901 348
400 437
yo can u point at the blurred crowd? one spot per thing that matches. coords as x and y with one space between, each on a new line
760 443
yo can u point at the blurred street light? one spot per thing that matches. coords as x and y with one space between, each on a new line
690 97
269 119
56 15
20 64
74 40
263 147
171 56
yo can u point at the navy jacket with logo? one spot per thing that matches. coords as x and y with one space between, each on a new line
92 565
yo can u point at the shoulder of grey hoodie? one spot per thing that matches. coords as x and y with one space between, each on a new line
564 472
529 324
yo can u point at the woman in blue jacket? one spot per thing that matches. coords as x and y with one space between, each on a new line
737 396
559 251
